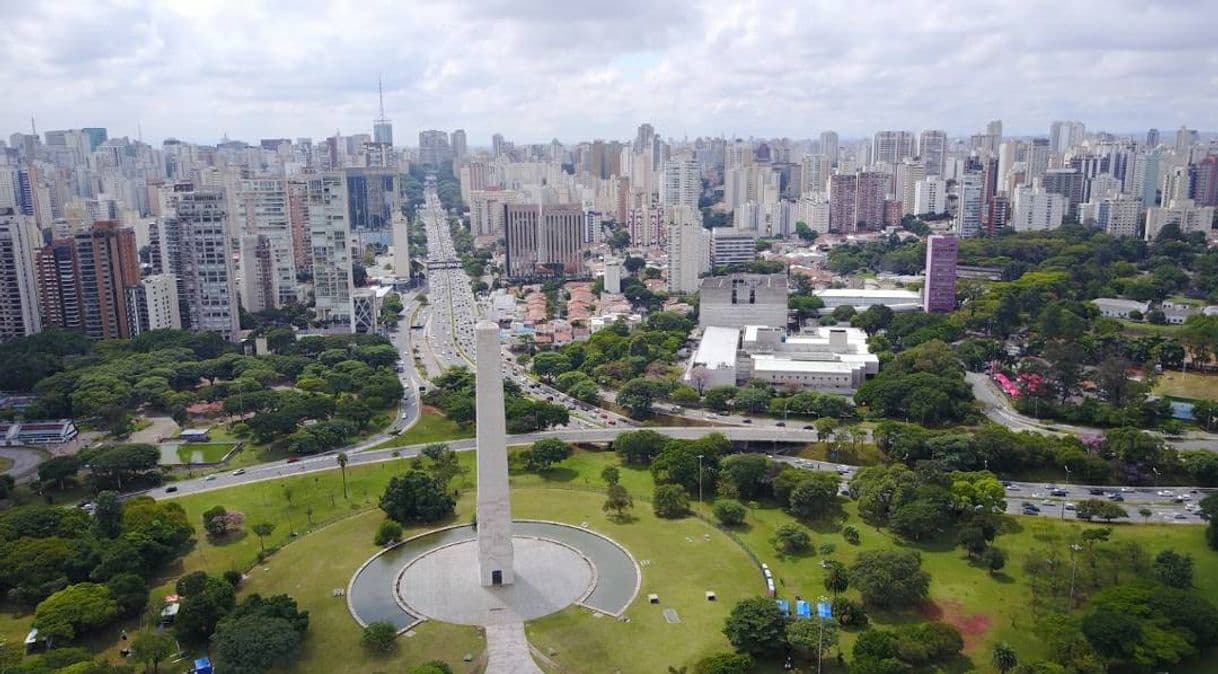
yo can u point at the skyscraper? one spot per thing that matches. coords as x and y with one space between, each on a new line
892 147
829 145
932 148
401 246
19 314
688 256
329 232
939 293
198 233
682 182
543 239
259 284
433 148
459 144
873 188
968 205
843 202
263 209
1152 139
109 264
59 292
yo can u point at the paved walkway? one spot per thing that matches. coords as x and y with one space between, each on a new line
508 650
25 462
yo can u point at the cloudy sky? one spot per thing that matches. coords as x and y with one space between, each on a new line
577 69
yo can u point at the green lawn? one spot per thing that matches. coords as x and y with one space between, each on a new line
686 558
203 452
1188 385
5 464
431 427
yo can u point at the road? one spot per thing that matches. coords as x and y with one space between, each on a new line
997 406
1173 505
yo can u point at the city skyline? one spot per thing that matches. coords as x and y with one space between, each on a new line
575 72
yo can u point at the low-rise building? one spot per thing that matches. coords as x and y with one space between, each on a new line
1113 307
896 299
737 300
51 432
835 360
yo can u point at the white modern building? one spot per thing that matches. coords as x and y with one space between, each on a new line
161 302
730 246
682 182
689 257
1186 214
1113 307
198 236
19 239
401 246
812 209
969 206
262 209
1035 209
1117 215
613 275
329 235
930 196
835 360
738 300
860 298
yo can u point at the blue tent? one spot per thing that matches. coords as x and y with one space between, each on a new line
202 666
803 610
824 609
784 606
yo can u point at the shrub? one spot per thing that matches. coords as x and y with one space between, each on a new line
379 637
791 539
729 512
388 532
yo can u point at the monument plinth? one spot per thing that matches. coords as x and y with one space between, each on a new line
494 503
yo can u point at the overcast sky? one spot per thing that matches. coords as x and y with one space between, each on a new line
573 69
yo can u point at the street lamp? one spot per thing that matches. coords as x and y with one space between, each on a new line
1074 548
699 478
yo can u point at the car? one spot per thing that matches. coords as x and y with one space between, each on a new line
239 471
1095 492
747 420
1116 497
612 422
809 428
293 459
1069 506
1179 516
1030 507
170 490
1013 487
209 478
780 424
1059 492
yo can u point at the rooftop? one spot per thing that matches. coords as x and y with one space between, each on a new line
718 347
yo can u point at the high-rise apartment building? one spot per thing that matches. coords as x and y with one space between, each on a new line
688 256
843 202
433 148
160 309
1038 157
1205 181
1185 139
19 315
930 196
873 189
905 181
259 283
932 149
109 264
264 209
401 246
892 147
969 206
830 145
59 292
939 292
459 149
729 246
682 182
474 176
1186 214
1037 209
196 238
329 235
1068 182
1065 135
1116 214
544 240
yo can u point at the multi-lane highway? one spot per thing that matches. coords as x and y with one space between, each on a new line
1175 505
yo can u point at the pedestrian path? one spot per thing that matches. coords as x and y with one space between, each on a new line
508 650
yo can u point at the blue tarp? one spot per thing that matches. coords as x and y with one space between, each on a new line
784 606
203 666
824 609
803 609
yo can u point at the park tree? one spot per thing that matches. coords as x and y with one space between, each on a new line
745 474
722 663
729 512
1004 658
814 496
389 531
638 395
639 447
1095 508
890 578
1173 569
442 463
813 638
550 364
756 626
837 578
255 643
719 398
670 501
262 530
977 492
791 539
617 499
152 648
993 559
202 608
611 475
545 453
58 469
75 610
416 497
129 592
342 460
379 638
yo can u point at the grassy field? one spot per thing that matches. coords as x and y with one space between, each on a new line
1188 385
320 558
431 427
205 452
5 464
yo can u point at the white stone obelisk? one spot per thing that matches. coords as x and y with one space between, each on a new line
494 505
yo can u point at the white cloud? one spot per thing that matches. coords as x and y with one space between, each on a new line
537 69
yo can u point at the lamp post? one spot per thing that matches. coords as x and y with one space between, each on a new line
699 478
1074 548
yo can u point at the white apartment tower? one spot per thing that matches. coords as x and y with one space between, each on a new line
968 207
932 148
401 246
200 233
930 196
19 238
682 182
262 210
1035 209
329 235
688 257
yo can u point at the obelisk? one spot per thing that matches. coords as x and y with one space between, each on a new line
494 505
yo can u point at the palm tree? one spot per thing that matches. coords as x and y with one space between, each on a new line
342 465
837 580
1004 658
1146 513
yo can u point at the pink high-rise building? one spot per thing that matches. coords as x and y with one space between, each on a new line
939 293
